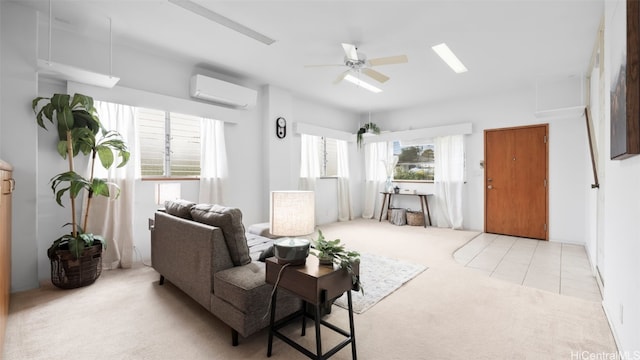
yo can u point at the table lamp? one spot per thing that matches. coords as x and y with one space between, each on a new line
292 214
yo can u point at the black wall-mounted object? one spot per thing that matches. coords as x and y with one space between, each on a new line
281 128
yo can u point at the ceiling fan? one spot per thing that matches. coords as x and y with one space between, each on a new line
359 64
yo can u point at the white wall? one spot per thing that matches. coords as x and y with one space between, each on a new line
257 160
621 209
567 153
19 138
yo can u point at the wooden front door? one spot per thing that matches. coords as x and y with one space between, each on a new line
516 192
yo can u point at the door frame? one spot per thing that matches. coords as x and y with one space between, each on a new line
546 128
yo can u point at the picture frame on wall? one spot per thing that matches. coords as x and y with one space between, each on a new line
625 81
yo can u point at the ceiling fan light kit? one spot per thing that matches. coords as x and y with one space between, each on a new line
354 80
357 63
449 58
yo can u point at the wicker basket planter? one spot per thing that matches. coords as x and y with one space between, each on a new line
397 216
415 218
70 273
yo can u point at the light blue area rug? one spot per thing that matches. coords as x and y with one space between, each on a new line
380 276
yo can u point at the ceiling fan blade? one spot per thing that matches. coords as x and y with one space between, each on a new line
341 76
350 51
390 60
323 65
375 75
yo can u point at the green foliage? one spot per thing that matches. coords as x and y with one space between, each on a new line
428 155
79 131
336 252
75 244
409 154
423 174
365 128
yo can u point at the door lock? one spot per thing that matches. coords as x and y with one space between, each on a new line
490 187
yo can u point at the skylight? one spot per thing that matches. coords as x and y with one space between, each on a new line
449 57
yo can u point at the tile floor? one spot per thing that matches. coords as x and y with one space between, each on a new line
556 267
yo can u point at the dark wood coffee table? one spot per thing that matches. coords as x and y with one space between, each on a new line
315 284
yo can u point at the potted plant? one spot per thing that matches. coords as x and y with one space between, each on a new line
367 128
76 258
331 252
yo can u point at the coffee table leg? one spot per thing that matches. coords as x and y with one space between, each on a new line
305 306
318 339
426 204
273 316
384 200
354 356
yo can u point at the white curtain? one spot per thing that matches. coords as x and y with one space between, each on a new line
110 217
213 161
449 180
309 161
345 210
375 175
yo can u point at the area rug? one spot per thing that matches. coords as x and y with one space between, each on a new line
380 276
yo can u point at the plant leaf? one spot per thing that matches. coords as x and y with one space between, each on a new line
60 101
100 187
76 246
106 156
65 118
34 103
62 148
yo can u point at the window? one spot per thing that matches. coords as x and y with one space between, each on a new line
328 157
415 161
169 143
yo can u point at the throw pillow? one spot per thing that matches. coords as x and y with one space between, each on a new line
179 208
229 220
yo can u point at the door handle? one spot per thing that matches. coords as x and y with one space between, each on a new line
490 187
11 187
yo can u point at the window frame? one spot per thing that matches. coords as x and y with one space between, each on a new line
167 149
324 158
429 143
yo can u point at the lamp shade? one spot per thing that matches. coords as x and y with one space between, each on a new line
292 213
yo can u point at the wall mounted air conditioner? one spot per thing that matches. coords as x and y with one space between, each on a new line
222 92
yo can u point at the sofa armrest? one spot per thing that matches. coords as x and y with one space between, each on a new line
188 253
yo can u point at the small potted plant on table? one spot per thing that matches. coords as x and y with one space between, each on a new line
331 252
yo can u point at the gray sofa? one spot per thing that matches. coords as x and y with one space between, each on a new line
203 250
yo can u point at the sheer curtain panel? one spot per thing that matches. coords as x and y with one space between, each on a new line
309 161
213 161
449 180
345 210
375 175
110 217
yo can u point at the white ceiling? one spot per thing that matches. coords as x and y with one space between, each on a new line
504 44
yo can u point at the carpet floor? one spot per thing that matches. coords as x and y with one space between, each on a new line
446 312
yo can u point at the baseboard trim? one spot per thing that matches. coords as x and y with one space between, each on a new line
611 327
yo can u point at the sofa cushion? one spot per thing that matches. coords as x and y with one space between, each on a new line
230 221
262 229
243 286
179 208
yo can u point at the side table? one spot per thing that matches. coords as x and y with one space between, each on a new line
424 204
314 284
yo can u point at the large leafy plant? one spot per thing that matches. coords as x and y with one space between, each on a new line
79 132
